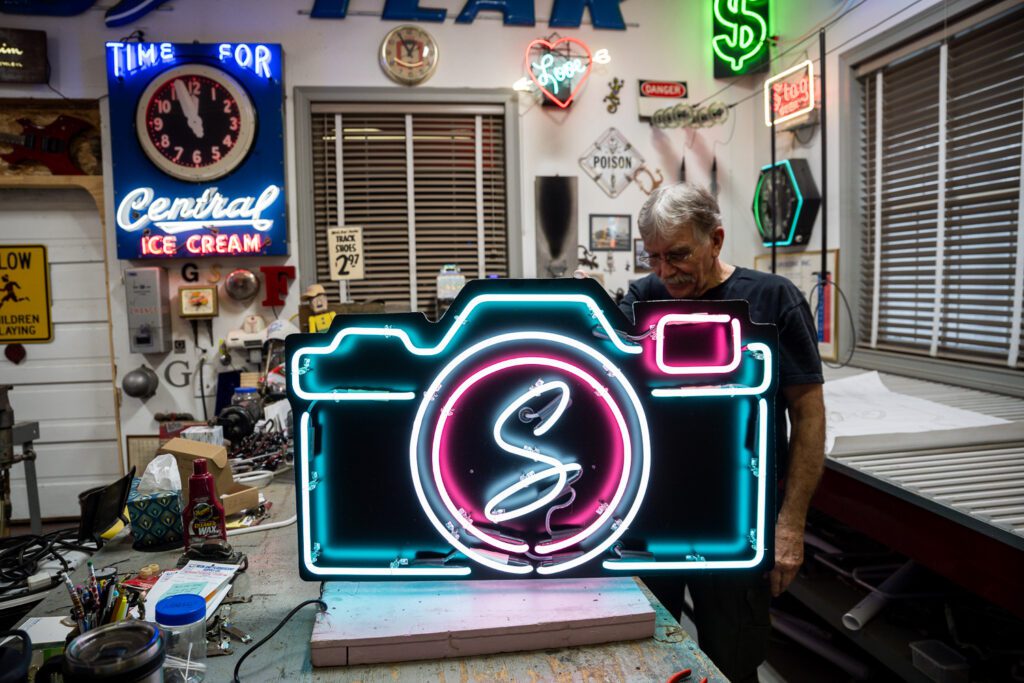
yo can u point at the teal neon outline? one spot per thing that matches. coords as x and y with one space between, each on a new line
762 445
618 565
388 332
796 214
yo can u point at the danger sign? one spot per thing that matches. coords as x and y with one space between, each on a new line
655 95
345 247
24 295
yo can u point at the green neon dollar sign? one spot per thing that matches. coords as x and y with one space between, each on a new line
745 33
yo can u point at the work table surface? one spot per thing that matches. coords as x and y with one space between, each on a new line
274 584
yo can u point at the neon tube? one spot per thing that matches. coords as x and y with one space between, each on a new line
555 466
349 571
403 336
762 445
446 411
695 318
693 392
613 371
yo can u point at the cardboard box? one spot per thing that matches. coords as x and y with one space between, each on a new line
155 519
234 497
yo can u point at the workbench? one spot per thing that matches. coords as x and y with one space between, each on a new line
274 584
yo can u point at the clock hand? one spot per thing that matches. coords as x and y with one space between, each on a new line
408 49
189 107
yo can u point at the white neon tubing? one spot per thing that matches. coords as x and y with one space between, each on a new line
402 335
690 319
435 463
762 445
348 571
446 411
768 107
560 471
555 467
355 395
694 392
615 372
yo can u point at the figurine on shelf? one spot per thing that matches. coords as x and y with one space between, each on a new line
319 317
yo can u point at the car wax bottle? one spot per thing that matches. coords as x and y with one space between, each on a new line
204 514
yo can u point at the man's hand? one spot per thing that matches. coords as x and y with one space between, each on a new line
789 555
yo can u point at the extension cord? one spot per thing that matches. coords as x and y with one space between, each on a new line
39 581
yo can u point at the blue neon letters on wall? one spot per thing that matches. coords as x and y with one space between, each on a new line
533 431
604 14
150 203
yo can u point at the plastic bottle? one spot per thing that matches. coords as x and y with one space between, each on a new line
204 514
182 622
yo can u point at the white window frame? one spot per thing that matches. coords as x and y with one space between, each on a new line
899 40
307 98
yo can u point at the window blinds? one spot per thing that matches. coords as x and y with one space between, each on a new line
941 188
428 187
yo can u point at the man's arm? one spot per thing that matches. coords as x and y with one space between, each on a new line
806 462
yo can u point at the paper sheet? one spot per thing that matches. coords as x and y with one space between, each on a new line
208 579
862 404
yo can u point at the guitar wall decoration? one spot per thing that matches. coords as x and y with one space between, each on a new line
48 145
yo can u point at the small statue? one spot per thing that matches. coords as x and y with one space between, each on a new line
319 317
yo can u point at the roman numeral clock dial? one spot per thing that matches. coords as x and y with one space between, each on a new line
195 122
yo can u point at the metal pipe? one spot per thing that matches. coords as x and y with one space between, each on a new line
865 610
823 275
775 189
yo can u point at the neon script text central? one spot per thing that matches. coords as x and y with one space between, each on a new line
140 207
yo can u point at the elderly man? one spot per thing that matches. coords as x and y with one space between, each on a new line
683 235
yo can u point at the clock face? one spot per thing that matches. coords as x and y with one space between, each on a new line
195 122
784 202
408 55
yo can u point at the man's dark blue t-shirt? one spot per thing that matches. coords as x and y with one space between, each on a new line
775 300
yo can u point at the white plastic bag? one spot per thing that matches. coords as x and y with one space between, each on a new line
161 475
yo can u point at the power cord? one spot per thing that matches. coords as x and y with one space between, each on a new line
20 556
816 293
317 601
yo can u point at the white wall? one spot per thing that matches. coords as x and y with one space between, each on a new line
665 39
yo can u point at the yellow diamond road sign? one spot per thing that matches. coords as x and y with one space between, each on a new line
24 294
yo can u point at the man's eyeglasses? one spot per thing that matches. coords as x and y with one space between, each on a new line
673 257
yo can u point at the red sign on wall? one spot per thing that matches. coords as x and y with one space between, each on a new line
672 89
789 94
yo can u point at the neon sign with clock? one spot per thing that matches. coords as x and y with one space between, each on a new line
534 432
203 173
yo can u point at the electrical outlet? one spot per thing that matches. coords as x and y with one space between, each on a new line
179 346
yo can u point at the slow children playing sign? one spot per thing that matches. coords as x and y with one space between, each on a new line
24 294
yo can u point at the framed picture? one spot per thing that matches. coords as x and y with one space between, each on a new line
610 232
802 270
199 301
141 449
640 264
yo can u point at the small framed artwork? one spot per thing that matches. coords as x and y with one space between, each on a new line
640 263
198 301
142 449
610 232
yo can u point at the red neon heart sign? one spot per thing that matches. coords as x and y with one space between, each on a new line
552 78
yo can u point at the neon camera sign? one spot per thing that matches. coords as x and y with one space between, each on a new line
534 432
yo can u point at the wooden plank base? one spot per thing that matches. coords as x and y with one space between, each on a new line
377 622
